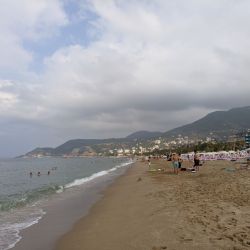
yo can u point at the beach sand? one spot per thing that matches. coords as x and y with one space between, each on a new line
157 210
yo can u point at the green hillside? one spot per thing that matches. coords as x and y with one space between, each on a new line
220 123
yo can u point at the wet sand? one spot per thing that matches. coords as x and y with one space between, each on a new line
62 212
159 210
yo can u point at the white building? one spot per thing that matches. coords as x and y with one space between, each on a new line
127 151
157 142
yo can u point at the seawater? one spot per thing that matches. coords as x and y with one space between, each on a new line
22 194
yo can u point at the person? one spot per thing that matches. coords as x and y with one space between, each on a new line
175 162
30 174
48 172
196 161
149 162
180 161
38 174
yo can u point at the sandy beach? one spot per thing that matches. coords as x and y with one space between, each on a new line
157 210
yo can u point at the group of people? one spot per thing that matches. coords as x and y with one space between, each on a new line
39 173
221 155
177 162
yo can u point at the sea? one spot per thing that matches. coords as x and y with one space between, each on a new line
26 183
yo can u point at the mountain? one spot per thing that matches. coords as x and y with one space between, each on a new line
218 123
144 135
41 151
83 147
85 144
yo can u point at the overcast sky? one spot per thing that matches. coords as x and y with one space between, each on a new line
106 68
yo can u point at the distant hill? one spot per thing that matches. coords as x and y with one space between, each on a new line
82 147
144 135
220 123
42 151
84 144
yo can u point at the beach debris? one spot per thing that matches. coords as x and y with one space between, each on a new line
152 170
139 179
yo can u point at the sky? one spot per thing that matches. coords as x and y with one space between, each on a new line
107 68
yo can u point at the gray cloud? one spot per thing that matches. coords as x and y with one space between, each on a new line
153 65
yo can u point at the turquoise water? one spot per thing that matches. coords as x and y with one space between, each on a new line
20 192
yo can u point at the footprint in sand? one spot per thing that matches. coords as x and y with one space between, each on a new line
242 237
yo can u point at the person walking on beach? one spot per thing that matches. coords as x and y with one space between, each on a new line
149 162
196 161
175 162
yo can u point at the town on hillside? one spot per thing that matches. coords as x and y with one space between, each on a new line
154 146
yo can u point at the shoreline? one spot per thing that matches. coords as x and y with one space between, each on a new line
63 210
159 210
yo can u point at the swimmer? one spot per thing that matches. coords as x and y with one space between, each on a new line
38 174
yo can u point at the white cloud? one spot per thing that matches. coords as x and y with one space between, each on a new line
7 99
26 20
5 83
155 65
147 60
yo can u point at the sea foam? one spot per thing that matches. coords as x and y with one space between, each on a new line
78 182
9 232
16 216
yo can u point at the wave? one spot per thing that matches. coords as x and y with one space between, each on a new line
20 200
27 216
79 182
9 232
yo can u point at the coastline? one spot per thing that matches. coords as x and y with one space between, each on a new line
159 210
64 209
